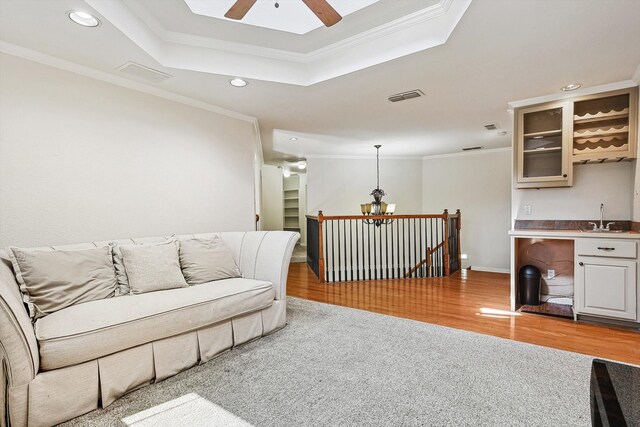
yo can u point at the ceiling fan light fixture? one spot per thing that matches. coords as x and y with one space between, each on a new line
83 18
238 82
571 86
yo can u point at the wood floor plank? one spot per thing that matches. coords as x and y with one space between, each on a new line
473 301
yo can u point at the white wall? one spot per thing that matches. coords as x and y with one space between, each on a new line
272 207
303 209
82 160
477 183
338 186
636 175
608 183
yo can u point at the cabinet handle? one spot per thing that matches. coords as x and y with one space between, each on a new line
605 248
581 264
564 175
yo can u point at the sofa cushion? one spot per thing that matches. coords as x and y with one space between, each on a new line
98 328
152 267
51 280
118 263
205 260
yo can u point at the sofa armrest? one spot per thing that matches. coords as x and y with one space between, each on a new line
264 255
18 344
273 259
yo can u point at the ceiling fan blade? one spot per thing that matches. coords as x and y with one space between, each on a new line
324 11
239 9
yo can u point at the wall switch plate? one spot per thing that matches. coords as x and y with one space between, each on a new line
527 209
551 274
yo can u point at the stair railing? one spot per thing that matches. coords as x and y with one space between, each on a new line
346 248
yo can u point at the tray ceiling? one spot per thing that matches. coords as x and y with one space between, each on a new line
424 25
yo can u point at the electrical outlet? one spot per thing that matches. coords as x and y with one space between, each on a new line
527 209
551 274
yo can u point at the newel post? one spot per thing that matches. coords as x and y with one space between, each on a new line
321 272
445 218
459 227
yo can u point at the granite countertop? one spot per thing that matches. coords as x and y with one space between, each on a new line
621 229
532 232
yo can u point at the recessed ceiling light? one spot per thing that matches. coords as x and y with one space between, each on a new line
238 82
571 86
286 173
302 165
83 18
293 138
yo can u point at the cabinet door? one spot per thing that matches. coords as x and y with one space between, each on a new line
543 143
606 287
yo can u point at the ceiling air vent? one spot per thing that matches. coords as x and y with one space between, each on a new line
142 72
479 147
406 95
492 126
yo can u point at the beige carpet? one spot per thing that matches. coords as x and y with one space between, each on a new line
336 366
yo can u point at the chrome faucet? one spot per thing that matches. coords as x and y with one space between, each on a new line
602 227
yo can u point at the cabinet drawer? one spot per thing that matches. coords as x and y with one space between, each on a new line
606 248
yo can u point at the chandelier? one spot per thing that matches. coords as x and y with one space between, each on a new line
377 207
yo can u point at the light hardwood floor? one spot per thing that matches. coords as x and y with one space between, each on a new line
470 300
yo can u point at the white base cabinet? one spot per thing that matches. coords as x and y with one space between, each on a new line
606 278
606 287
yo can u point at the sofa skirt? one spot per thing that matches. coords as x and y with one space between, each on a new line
61 394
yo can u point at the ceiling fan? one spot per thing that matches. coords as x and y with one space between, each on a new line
321 8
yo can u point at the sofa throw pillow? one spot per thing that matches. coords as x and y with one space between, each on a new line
152 267
121 273
205 260
52 280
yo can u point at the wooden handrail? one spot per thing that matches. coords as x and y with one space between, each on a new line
426 260
341 217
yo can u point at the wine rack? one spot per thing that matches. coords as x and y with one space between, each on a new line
604 128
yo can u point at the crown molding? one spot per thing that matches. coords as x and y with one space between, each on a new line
352 157
32 55
401 24
468 153
625 84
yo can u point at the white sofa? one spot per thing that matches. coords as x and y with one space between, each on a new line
87 355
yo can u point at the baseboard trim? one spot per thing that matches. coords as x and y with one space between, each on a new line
489 269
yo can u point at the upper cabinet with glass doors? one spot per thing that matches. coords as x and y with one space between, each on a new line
543 145
550 138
